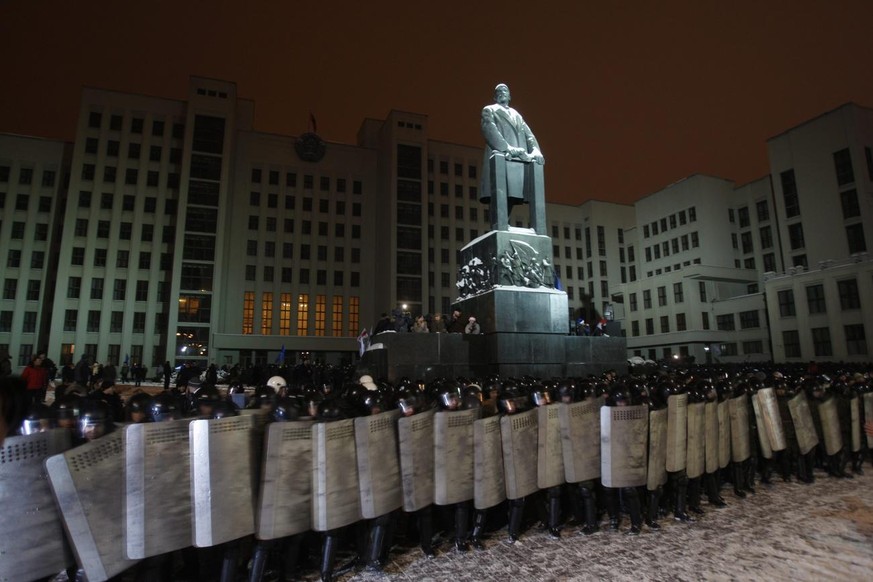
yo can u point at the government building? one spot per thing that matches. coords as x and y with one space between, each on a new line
173 230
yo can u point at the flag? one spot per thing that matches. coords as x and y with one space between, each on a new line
364 340
313 126
126 358
558 285
280 359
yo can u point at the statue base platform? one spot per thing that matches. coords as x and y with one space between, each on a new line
428 356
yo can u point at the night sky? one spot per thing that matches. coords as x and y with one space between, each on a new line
624 97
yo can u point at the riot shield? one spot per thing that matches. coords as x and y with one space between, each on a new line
453 456
677 433
772 419
804 428
518 433
855 410
624 434
763 438
336 500
88 483
378 465
710 436
285 501
657 463
868 415
580 440
158 488
32 540
724 434
830 426
696 435
224 474
416 460
740 445
489 487
550 457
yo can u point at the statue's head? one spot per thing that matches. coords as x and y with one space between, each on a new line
501 94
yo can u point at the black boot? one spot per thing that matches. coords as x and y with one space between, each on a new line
679 513
328 550
632 503
425 531
739 480
710 482
589 505
749 473
694 496
516 513
612 506
462 518
259 560
478 528
857 462
228 562
374 545
554 517
652 509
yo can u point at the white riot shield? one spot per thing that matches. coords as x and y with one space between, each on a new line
772 419
804 428
518 433
88 483
158 488
489 487
657 464
677 431
285 501
623 439
710 437
550 455
32 540
417 460
696 444
724 434
225 468
336 500
855 410
378 464
763 437
830 426
580 440
453 456
740 438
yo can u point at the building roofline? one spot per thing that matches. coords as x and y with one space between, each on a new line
817 117
120 92
686 178
41 138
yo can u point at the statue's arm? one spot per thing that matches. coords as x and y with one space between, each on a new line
492 135
533 147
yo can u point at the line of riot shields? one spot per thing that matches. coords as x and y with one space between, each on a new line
562 452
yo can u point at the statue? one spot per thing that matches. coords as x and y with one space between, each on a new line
513 165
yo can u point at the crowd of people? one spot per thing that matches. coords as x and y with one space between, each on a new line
401 322
833 393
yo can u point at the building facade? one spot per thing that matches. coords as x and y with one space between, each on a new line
173 230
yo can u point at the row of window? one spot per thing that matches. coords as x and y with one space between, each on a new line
119 289
131 176
40 231
116 321
678 296
269 250
13 259
324 182
303 276
847 290
675 220
25 176
271 222
77 258
125 230
116 122
10 289
22 202
301 311
854 334
128 202
685 242
307 204
472 170
742 214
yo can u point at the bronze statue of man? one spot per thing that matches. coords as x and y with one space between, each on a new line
513 172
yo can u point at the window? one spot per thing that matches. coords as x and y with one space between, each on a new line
815 299
843 167
849 296
119 289
10 288
662 296
635 328
704 320
97 288
786 303
856 340
749 319
791 343
650 326
766 237
665 324
633 301
139 320
142 291
116 321
746 239
849 202
743 216
725 322
647 299
821 341
763 210
789 194
93 321
795 236
37 259
71 319
681 325
678 293
855 238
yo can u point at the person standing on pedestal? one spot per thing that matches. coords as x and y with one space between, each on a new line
513 164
